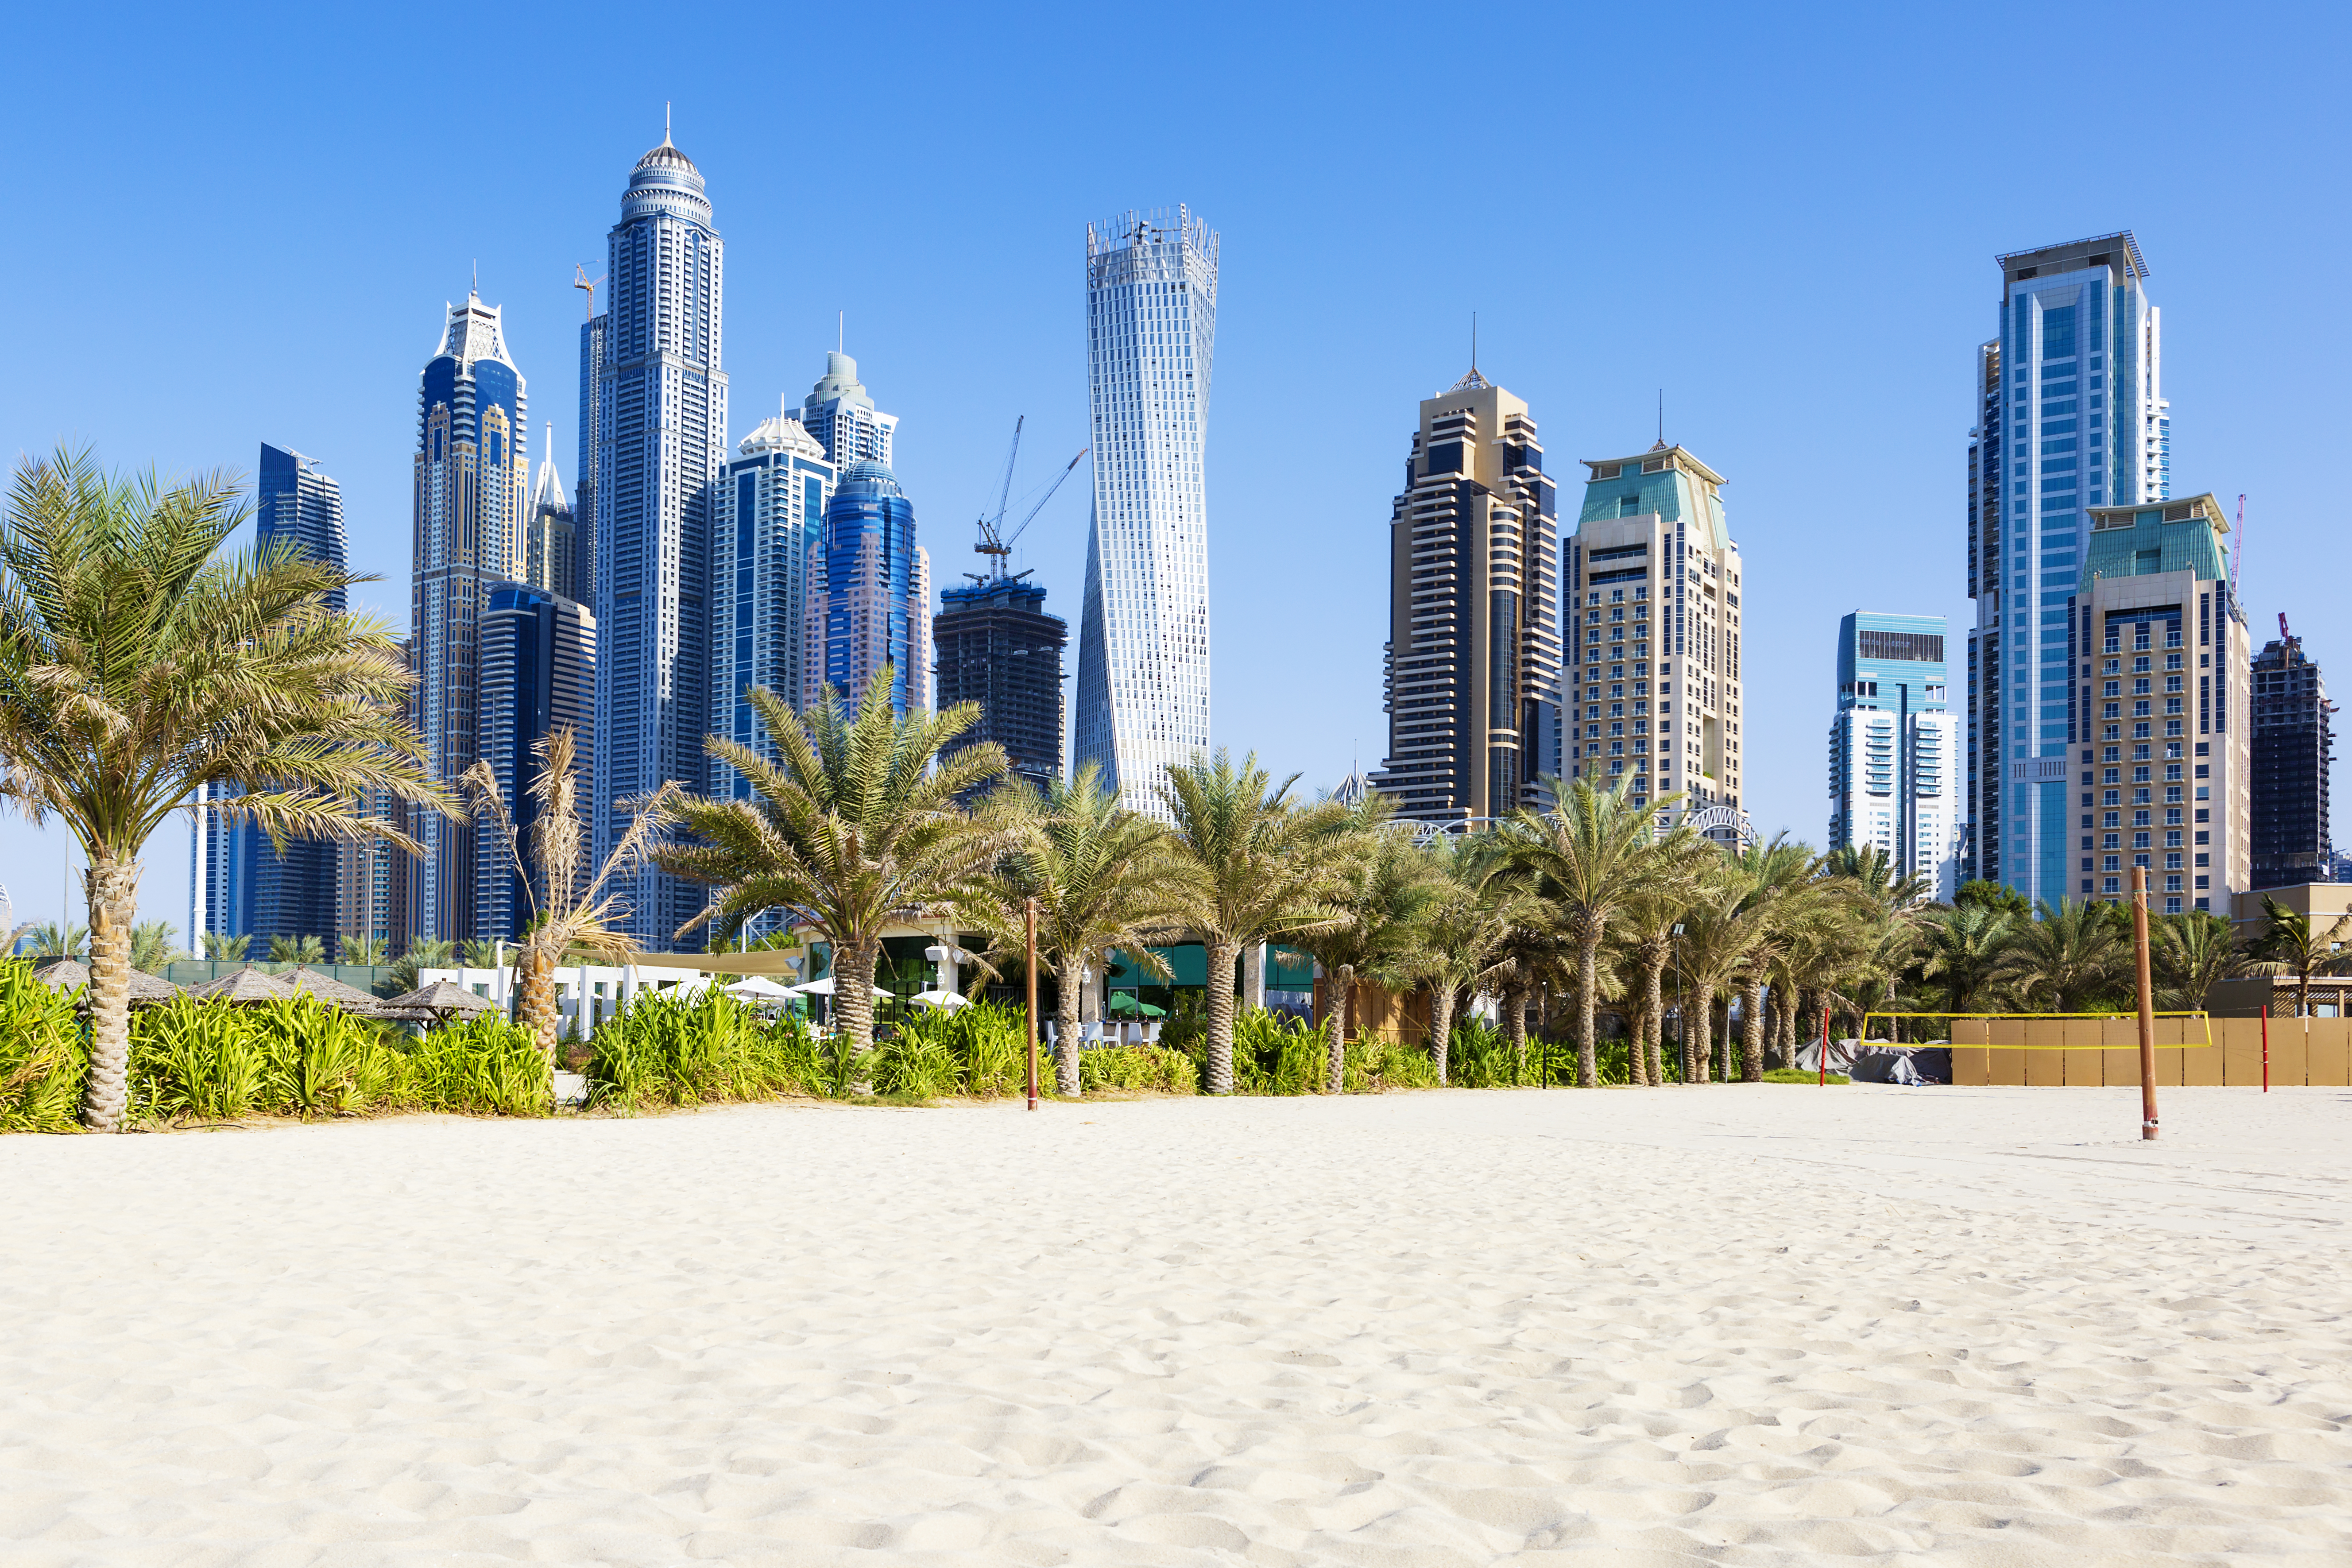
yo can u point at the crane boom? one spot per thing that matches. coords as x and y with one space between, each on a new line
1049 494
2237 544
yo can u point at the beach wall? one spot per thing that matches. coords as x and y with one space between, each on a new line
2072 1052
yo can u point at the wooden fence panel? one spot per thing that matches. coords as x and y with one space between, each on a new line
2241 1049
2286 1053
2007 1066
2083 1066
2327 1059
1972 1063
2199 1063
2121 1038
2045 1066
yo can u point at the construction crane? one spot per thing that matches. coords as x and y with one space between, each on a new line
994 542
579 279
2237 544
2284 634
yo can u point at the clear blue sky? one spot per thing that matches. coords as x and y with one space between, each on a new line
231 229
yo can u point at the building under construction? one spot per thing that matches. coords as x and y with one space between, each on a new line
995 645
2292 743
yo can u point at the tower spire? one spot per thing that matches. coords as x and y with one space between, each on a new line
666 141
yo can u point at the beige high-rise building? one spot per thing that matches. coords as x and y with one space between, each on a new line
1653 685
1473 658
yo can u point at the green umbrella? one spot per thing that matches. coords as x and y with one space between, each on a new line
1127 1001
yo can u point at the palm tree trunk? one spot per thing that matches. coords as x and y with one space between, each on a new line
111 886
1653 1042
1514 1030
1069 978
1752 1033
1588 965
1698 1054
536 1005
1222 958
1441 1025
853 995
1343 994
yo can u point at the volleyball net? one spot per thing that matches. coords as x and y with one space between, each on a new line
2203 1025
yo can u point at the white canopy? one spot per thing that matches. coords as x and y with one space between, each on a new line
759 985
950 999
824 988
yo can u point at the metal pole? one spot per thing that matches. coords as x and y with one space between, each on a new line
2266 1048
1824 1063
1033 1004
2147 1004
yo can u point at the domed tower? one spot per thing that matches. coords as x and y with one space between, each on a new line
869 593
660 408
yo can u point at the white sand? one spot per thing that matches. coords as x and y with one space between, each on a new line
1768 1325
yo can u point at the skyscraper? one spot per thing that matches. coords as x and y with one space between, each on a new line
840 415
869 594
661 420
997 646
1653 558
2164 719
767 515
238 883
592 435
2070 415
539 672
551 546
2293 741
1893 748
1472 678
1143 629
472 487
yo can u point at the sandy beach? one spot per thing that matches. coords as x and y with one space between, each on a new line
1756 1325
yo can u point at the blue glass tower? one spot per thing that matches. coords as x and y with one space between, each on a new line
2071 415
539 672
869 593
768 514
1893 746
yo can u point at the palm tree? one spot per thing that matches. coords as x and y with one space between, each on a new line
2287 946
1100 875
1592 855
1715 943
854 828
297 949
1388 888
137 666
1455 948
225 949
1252 866
567 921
1871 871
1964 943
424 952
1646 930
51 940
2194 952
2073 955
1779 898
353 948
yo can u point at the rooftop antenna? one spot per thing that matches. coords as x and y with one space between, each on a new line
666 123
1474 343
841 332
476 288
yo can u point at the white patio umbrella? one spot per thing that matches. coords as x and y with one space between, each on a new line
760 986
824 988
949 999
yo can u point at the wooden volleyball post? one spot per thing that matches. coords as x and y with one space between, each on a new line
2147 1004
1033 1004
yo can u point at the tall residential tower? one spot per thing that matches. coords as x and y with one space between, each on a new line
767 515
869 594
661 422
1894 746
1143 629
472 481
1473 661
2293 742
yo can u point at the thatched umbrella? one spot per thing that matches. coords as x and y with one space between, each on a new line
65 974
243 986
437 1001
333 992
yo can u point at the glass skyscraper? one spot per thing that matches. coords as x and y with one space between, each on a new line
2071 415
840 415
472 478
869 594
768 514
552 548
1143 630
1893 747
661 424
539 672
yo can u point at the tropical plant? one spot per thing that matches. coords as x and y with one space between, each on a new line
2192 952
678 1048
424 952
1998 896
1646 929
41 1057
141 670
1100 875
1138 1068
51 940
1456 947
566 920
222 948
1962 945
152 945
1387 890
2285 944
1873 873
308 950
1252 866
483 1067
2073 955
480 951
1780 900
352 948
1716 941
854 828
1591 855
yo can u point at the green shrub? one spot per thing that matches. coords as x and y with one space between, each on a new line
1799 1075
293 1057
674 1050
1375 1067
981 1050
1138 1068
483 1067
43 1056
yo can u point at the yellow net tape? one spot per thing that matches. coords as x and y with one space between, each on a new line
2205 1018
